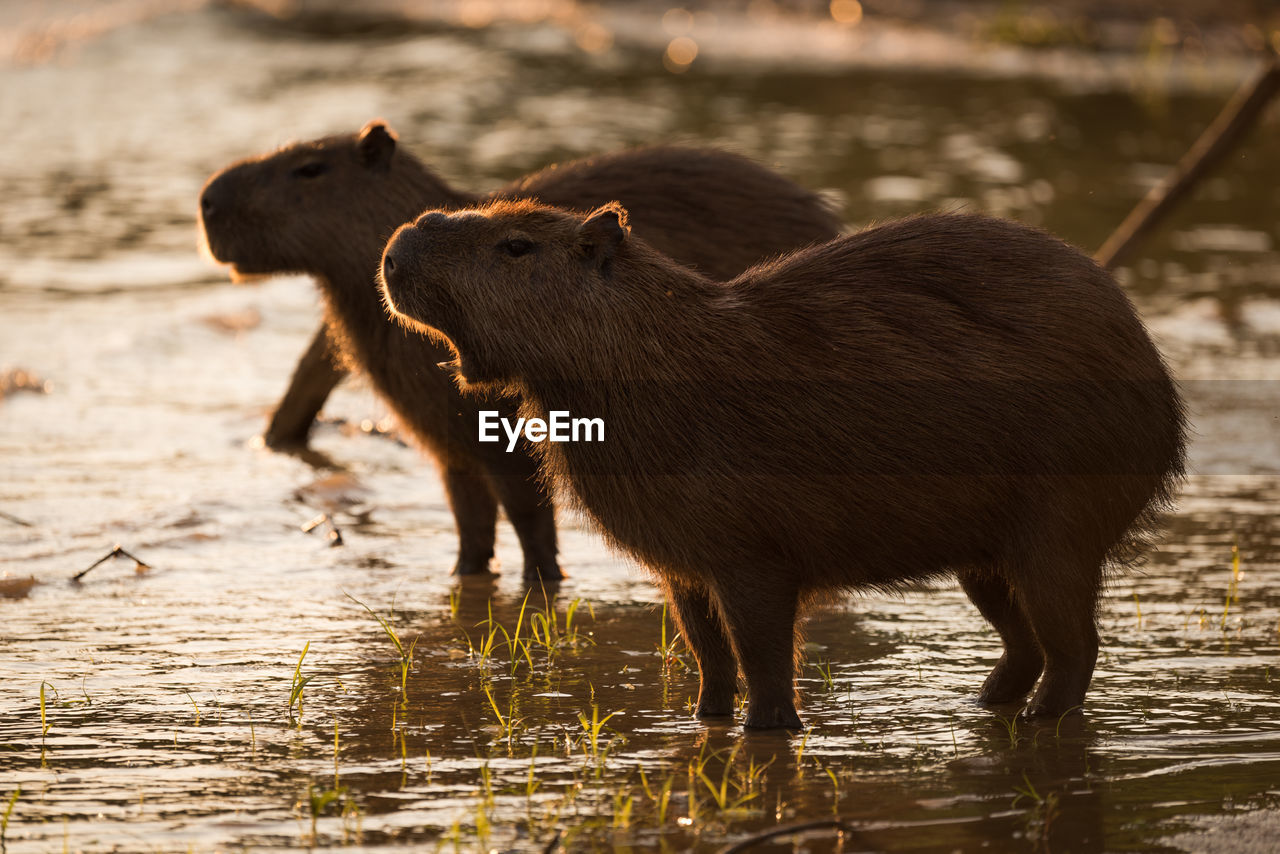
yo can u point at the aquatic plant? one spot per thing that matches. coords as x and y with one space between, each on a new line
662 799
669 649
591 734
1044 810
546 629
44 721
517 647
405 655
299 683
4 819
735 787
318 803
508 724
622 803
194 706
1010 725
824 671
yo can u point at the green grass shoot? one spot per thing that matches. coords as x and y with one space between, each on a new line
8 811
299 683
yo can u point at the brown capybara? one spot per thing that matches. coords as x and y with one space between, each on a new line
940 395
327 207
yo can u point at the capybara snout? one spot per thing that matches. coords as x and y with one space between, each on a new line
943 395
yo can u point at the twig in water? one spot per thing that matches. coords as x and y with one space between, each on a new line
335 536
114 553
9 517
751 841
1222 137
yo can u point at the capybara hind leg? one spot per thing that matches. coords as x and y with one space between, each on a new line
1063 616
761 623
702 628
1017 670
532 514
475 509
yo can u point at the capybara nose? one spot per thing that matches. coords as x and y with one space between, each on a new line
432 219
211 200
395 258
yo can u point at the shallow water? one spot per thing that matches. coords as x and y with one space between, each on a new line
166 716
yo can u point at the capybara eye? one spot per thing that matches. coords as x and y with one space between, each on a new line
516 246
313 169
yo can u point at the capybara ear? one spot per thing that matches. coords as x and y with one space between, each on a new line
603 232
376 144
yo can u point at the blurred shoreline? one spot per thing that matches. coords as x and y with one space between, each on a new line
1084 44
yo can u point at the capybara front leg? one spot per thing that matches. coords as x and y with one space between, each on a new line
475 510
703 632
1064 618
533 515
1016 672
313 379
761 623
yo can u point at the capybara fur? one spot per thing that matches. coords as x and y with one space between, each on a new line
327 207
939 395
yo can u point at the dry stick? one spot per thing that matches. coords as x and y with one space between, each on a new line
116 552
335 536
1219 139
752 841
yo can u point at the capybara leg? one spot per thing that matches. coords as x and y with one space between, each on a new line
1063 616
761 623
703 631
1016 672
475 509
534 517
313 379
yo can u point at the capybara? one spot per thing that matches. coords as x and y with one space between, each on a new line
939 395
327 207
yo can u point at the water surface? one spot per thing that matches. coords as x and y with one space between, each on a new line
166 719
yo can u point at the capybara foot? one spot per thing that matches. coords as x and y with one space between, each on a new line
473 565
285 442
536 571
1036 709
715 703
772 717
1056 697
1010 682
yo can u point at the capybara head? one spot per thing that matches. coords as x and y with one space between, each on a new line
475 277
289 211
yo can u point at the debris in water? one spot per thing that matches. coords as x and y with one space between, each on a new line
140 565
20 380
13 587
335 536
9 517
334 494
